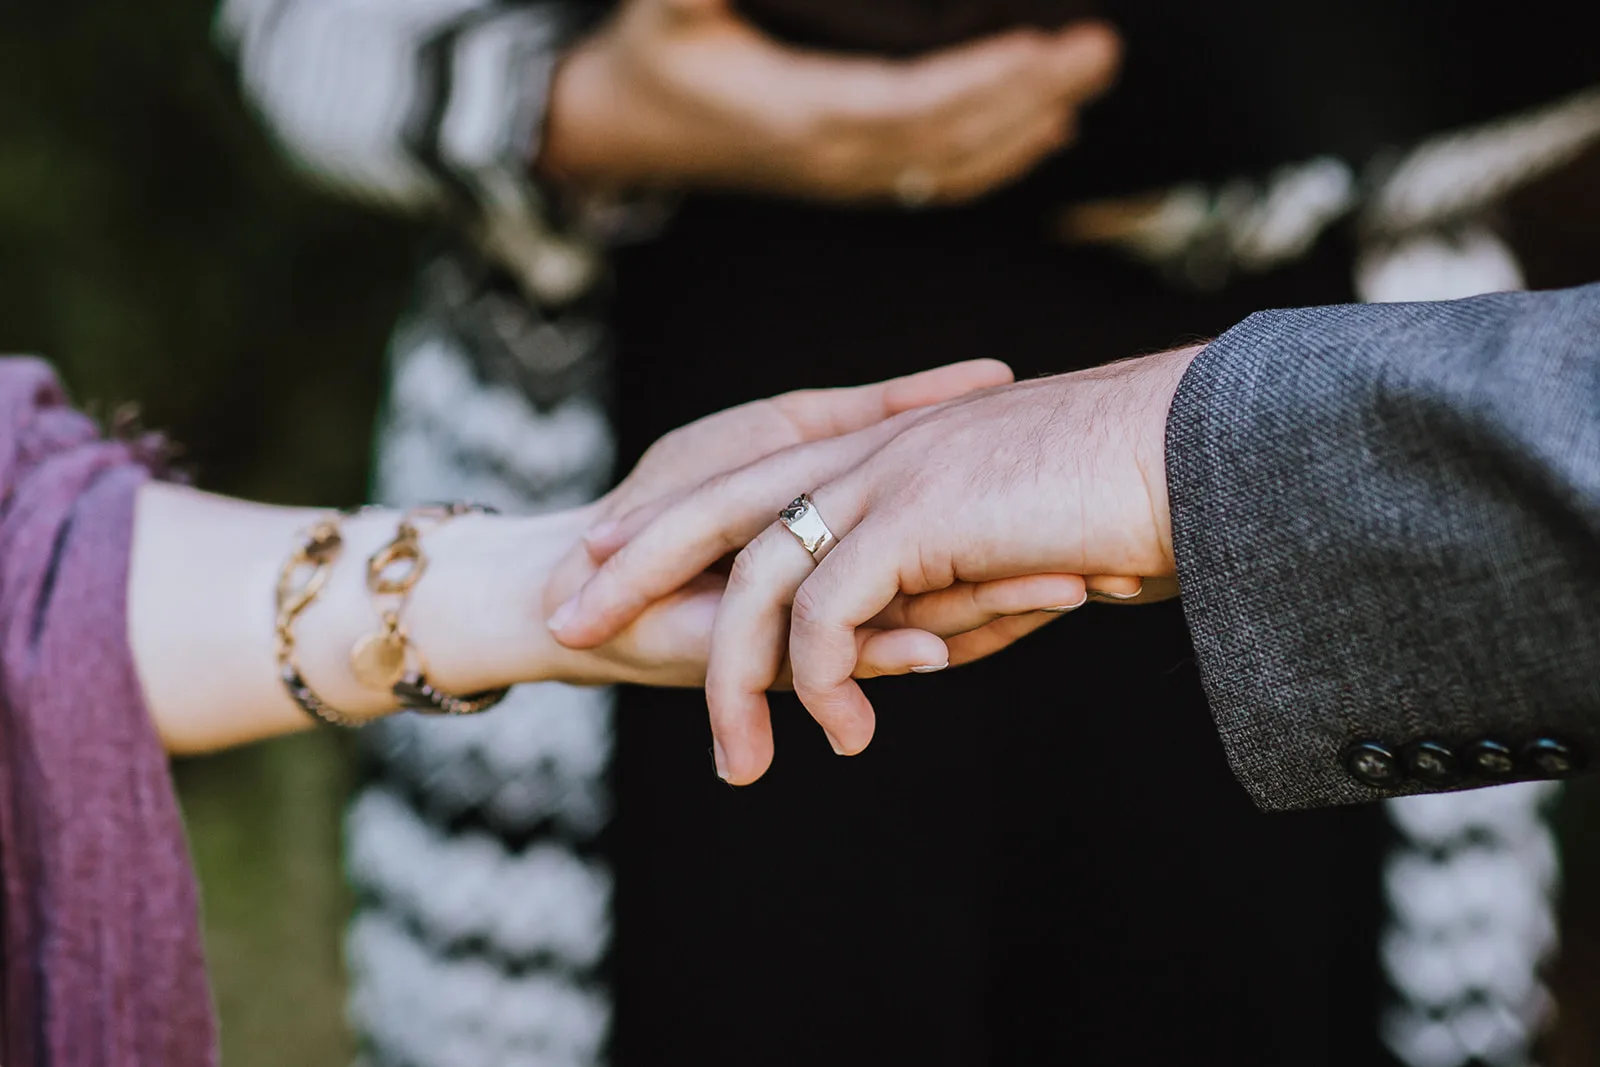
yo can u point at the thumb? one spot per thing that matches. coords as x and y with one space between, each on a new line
1083 60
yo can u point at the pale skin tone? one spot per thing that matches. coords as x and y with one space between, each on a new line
203 567
1062 474
668 94
686 94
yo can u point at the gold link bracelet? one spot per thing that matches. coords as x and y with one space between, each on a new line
387 659
323 545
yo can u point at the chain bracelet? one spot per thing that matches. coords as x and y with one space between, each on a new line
315 557
388 659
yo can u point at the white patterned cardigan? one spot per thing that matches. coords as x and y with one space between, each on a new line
484 912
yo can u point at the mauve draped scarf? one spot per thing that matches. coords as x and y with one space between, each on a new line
103 962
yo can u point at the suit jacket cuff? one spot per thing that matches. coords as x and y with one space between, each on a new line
1376 546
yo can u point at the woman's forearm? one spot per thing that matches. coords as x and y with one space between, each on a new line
201 611
203 569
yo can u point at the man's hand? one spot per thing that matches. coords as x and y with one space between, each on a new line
686 94
907 636
1061 475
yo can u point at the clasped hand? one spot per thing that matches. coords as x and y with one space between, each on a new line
966 508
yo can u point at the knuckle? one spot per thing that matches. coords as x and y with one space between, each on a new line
807 609
910 611
914 451
748 566
984 599
609 586
708 510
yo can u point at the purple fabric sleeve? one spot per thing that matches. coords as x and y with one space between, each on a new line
103 959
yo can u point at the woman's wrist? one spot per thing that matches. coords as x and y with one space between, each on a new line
477 615
201 616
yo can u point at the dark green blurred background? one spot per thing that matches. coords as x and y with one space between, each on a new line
155 247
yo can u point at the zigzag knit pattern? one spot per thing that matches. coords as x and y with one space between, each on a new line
484 914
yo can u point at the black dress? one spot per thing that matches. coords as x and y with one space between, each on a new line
1042 858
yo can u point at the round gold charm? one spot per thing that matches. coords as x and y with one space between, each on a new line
379 660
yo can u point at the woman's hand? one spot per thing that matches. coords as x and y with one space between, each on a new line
685 93
200 618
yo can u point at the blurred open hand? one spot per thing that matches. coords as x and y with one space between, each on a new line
685 93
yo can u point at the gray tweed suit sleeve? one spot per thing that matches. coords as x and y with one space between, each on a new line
1387 528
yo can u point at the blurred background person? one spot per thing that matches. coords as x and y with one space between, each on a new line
1249 157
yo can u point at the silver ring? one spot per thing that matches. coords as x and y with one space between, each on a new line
914 188
802 520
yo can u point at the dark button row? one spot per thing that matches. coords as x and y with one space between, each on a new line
1438 764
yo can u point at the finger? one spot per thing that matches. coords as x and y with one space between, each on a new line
669 645
992 140
1114 588
881 653
1081 62
747 652
749 641
1017 152
1026 66
1067 69
969 605
851 585
1000 634
942 384
885 653
898 396
817 413
605 540
699 529
1107 590
879 117
691 454
972 74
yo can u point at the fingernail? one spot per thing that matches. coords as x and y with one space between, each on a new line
600 531
929 668
838 749
720 759
1105 594
1062 609
564 614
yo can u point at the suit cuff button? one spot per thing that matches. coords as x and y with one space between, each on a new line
1491 759
1433 763
1550 758
1372 764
